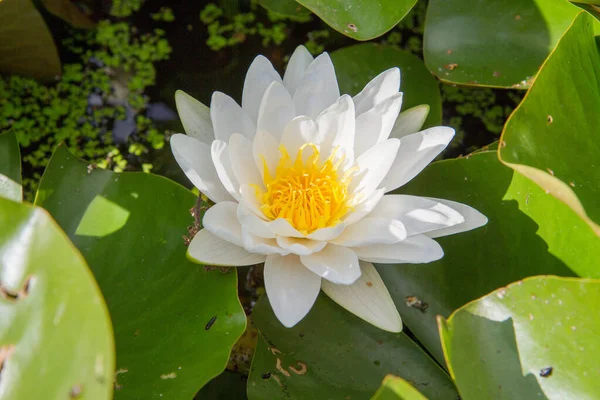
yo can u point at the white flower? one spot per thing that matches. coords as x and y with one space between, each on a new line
299 176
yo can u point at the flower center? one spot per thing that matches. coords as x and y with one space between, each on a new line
308 193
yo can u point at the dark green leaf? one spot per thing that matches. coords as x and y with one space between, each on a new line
332 354
70 12
498 43
359 19
356 65
56 340
528 233
10 167
535 339
553 137
26 46
129 227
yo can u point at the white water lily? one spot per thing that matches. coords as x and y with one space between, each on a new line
299 175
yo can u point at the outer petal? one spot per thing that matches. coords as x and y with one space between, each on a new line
416 151
229 118
370 231
410 121
292 289
298 132
367 298
242 160
336 126
222 163
258 78
337 264
318 88
265 149
375 125
414 250
381 87
300 247
221 220
195 117
328 233
374 165
194 158
299 61
473 219
208 249
276 110
418 214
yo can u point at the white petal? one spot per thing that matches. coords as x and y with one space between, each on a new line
299 246
370 230
318 88
364 208
276 110
256 244
336 126
367 298
473 219
416 151
258 78
208 249
381 87
414 250
299 61
291 288
328 233
242 160
221 220
337 264
410 121
229 118
194 158
265 149
195 117
252 223
418 214
222 162
375 125
300 131
374 164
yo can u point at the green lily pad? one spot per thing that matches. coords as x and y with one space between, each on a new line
394 388
553 136
535 339
56 340
175 323
10 167
289 8
529 233
498 43
358 19
356 65
332 354
26 46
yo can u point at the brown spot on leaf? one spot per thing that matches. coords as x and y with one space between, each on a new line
415 302
300 371
549 119
14 296
280 368
369 283
76 392
352 27
451 66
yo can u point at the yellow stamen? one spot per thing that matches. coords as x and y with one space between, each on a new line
308 193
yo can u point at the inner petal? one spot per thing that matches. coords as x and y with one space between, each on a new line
310 194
